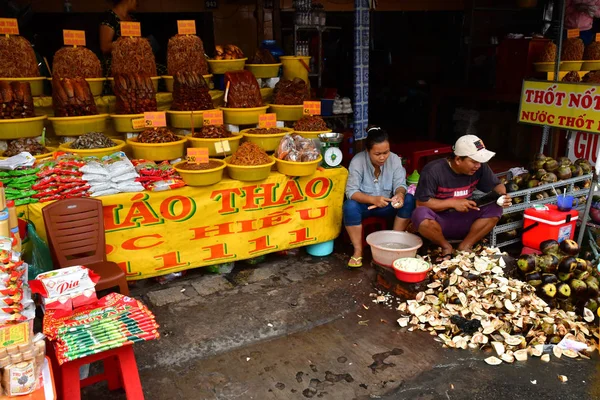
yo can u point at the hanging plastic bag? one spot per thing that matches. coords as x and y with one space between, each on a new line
38 253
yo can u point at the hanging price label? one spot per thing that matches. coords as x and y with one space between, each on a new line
129 28
155 119
222 147
267 120
138 123
9 26
186 27
572 33
597 37
197 155
312 108
213 117
73 38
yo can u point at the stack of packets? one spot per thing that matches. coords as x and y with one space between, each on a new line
64 289
16 304
114 321
21 359
157 177
111 175
60 178
18 185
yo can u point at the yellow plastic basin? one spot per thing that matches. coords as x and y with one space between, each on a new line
169 81
293 67
267 95
155 80
205 177
234 143
158 151
267 142
36 84
123 124
544 66
22 127
94 152
183 119
40 156
287 113
96 85
571 65
243 116
77 126
222 66
264 70
249 173
217 97
591 65
310 134
292 168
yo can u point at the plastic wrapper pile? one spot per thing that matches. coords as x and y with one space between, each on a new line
244 91
18 185
60 178
157 177
111 175
15 297
114 321
296 148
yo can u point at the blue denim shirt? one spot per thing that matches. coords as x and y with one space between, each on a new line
361 177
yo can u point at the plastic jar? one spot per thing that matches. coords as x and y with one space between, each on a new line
16 239
13 220
2 197
4 228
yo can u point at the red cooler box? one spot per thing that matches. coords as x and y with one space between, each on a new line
547 222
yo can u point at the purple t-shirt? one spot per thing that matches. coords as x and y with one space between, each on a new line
440 182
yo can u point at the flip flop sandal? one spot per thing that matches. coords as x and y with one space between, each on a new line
355 262
443 258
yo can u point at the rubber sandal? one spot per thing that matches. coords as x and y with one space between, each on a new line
442 258
357 262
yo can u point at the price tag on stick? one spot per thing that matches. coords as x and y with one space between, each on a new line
138 123
129 28
155 119
73 38
312 108
572 33
186 27
214 117
197 155
9 26
267 120
222 147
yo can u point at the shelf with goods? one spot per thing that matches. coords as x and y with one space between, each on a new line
319 60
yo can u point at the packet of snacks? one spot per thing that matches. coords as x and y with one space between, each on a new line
60 288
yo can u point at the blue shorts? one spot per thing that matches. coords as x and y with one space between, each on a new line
355 212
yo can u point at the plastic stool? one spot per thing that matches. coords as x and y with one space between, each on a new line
120 371
413 152
372 224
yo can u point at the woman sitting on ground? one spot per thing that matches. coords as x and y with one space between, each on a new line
376 188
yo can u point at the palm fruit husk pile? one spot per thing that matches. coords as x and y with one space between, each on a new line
472 303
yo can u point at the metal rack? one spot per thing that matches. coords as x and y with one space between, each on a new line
320 30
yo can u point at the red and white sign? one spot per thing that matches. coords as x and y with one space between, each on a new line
73 38
584 145
9 26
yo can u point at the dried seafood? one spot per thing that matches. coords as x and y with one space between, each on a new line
288 92
132 55
310 123
18 58
186 54
244 91
15 100
549 54
262 56
572 76
266 131
157 135
190 93
135 94
572 50
213 132
29 145
592 51
76 62
501 312
591 77
212 164
228 52
72 97
92 140
250 154
297 149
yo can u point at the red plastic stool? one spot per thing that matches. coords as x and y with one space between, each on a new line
372 224
120 371
529 250
413 152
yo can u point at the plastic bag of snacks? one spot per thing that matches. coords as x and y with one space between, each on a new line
21 359
157 177
66 288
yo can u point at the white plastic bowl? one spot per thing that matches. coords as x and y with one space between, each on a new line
386 256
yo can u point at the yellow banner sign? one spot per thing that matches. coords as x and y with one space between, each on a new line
155 233
572 106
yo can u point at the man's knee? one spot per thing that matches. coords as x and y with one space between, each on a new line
423 215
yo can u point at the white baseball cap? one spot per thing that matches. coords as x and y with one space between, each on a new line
471 146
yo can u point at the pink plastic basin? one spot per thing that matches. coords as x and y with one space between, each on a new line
385 255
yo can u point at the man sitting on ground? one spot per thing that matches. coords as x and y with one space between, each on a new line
444 211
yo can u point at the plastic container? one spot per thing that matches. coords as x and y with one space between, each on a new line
13 220
327 107
547 222
311 134
94 152
122 122
264 70
292 168
544 66
386 256
203 177
222 66
591 65
234 143
243 116
321 249
294 68
571 65
408 276
183 119
2 197
248 173
158 151
155 80
16 239
22 127
4 227
36 84
287 112
267 141
96 85
413 179
170 81
77 126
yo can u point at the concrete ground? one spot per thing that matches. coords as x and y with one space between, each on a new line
302 327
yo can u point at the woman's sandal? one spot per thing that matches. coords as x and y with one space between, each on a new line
355 262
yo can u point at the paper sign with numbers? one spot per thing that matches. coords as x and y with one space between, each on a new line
155 119
267 120
197 155
186 27
9 26
138 123
73 38
572 33
312 108
129 28
597 37
214 117
222 147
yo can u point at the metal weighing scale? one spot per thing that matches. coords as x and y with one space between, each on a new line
330 149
